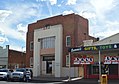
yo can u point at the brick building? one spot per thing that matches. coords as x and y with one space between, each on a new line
11 58
48 41
16 59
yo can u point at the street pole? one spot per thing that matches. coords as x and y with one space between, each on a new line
99 67
69 67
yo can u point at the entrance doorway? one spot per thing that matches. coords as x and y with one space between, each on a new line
49 67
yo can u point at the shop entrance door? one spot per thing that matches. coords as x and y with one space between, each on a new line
49 67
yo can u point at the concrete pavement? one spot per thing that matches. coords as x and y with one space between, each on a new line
64 80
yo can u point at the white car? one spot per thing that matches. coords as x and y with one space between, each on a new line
19 75
4 74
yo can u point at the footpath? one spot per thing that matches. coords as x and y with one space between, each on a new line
73 80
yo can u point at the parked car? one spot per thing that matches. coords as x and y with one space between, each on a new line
4 74
19 75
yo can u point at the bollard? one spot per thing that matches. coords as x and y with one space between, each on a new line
104 79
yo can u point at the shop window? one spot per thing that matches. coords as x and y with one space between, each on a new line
95 69
68 41
113 69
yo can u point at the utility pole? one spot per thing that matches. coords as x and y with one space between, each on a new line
99 67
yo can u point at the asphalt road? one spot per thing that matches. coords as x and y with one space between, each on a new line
82 81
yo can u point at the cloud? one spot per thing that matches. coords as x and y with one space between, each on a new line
110 28
71 2
3 39
19 13
22 28
18 48
11 27
4 14
10 32
53 2
67 12
88 15
98 12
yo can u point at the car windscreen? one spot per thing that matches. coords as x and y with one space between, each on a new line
3 70
21 70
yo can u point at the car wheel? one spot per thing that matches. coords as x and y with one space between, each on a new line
24 79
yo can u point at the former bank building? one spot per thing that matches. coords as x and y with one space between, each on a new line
48 41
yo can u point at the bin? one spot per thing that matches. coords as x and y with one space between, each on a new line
104 79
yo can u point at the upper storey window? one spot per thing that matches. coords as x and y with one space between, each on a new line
48 42
68 41
31 46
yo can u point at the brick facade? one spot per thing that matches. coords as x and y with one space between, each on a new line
73 25
16 59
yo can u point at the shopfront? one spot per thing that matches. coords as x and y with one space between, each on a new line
95 63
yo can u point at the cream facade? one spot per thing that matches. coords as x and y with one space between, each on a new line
39 67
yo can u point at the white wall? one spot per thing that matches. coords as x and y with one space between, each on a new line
4 56
73 72
56 31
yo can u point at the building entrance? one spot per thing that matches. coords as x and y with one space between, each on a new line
49 67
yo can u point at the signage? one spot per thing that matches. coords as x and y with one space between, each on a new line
94 48
105 47
109 46
111 60
90 48
48 58
76 49
83 60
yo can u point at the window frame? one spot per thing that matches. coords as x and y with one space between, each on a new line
68 44
31 46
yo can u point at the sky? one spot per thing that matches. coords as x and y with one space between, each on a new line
15 15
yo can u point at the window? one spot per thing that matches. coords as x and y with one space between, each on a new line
95 69
68 41
48 42
31 61
31 46
67 60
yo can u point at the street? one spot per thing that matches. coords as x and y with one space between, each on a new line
5 82
82 81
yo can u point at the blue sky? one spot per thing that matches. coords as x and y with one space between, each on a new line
15 15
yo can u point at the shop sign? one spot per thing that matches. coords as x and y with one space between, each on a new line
48 58
83 60
75 49
111 60
105 47
94 48
109 46
90 48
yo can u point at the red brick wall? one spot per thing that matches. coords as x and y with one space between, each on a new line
16 57
73 25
